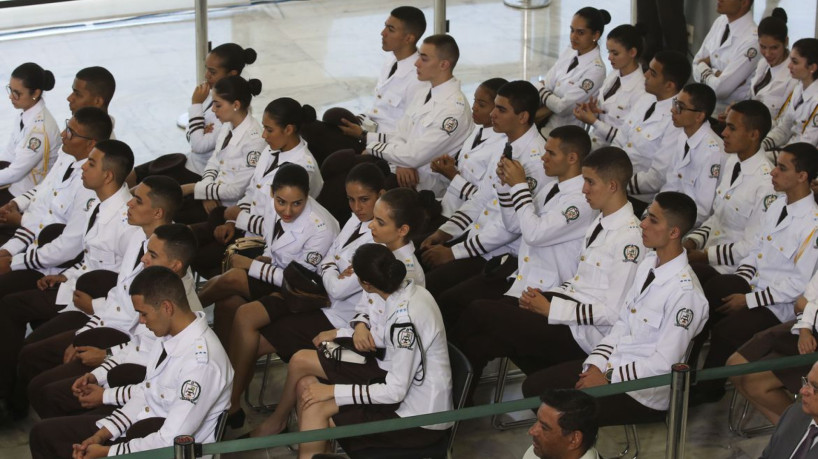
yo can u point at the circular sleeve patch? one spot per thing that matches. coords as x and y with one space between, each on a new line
587 85
191 390
631 253
450 124
34 144
252 158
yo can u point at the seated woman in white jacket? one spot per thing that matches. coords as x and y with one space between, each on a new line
35 140
417 379
396 217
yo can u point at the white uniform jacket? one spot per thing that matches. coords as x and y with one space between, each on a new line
371 308
798 123
472 162
229 169
615 109
696 173
57 199
420 378
654 328
783 258
34 145
305 240
480 215
346 292
775 94
77 202
104 243
393 94
738 210
561 90
605 272
257 201
553 232
736 59
202 144
809 317
427 130
190 388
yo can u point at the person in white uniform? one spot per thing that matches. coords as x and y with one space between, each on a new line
729 53
663 310
203 126
35 139
186 388
577 74
621 88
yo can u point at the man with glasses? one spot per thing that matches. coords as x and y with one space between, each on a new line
695 166
795 434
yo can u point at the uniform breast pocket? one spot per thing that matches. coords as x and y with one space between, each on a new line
167 393
392 98
592 272
541 278
649 323
101 256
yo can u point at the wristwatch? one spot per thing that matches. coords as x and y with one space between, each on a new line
609 374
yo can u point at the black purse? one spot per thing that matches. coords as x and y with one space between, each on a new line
302 289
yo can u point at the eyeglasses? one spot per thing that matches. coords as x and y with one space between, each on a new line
15 94
70 133
805 384
679 108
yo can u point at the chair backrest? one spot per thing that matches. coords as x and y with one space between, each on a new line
462 375
221 424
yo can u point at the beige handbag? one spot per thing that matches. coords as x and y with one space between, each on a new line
251 247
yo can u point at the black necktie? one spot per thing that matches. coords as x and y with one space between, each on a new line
736 171
650 278
725 34
93 219
612 90
574 63
274 164
477 139
687 149
554 190
278 230
594 234
394 68
208 107
649 112
764 81
161 357
227 140
354 235
428 96
21 122
141 254
68 172
782 216
800 101
507 152
806 445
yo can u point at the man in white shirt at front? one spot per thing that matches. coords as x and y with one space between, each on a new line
566 426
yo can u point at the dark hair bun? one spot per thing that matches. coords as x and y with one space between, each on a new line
605 15
249 55
48 80
255 86
779 13
308 114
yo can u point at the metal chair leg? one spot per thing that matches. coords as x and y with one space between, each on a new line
260 405
503 376
738 426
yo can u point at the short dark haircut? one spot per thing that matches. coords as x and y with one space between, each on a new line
611 163
406 208
156 284
675 67
703 98
523 97
573 139
445 47
412 18
96 122
291 174
165 193
808 49
755 117
805 158
367 174
578 412
180 242
629 37
679 209
494 84
99 82
377 265
118 158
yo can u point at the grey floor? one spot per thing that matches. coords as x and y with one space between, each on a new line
326 53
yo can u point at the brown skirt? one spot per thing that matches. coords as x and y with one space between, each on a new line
772 343
416 437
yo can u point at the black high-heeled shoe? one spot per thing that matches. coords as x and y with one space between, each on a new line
236 420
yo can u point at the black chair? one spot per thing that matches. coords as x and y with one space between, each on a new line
462 374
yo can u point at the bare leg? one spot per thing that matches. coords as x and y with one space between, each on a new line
763 390
233 282
244 347
315 417
304 363
223 316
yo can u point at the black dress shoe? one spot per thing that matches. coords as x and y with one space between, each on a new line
236 420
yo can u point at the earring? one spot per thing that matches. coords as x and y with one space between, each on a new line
235 110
